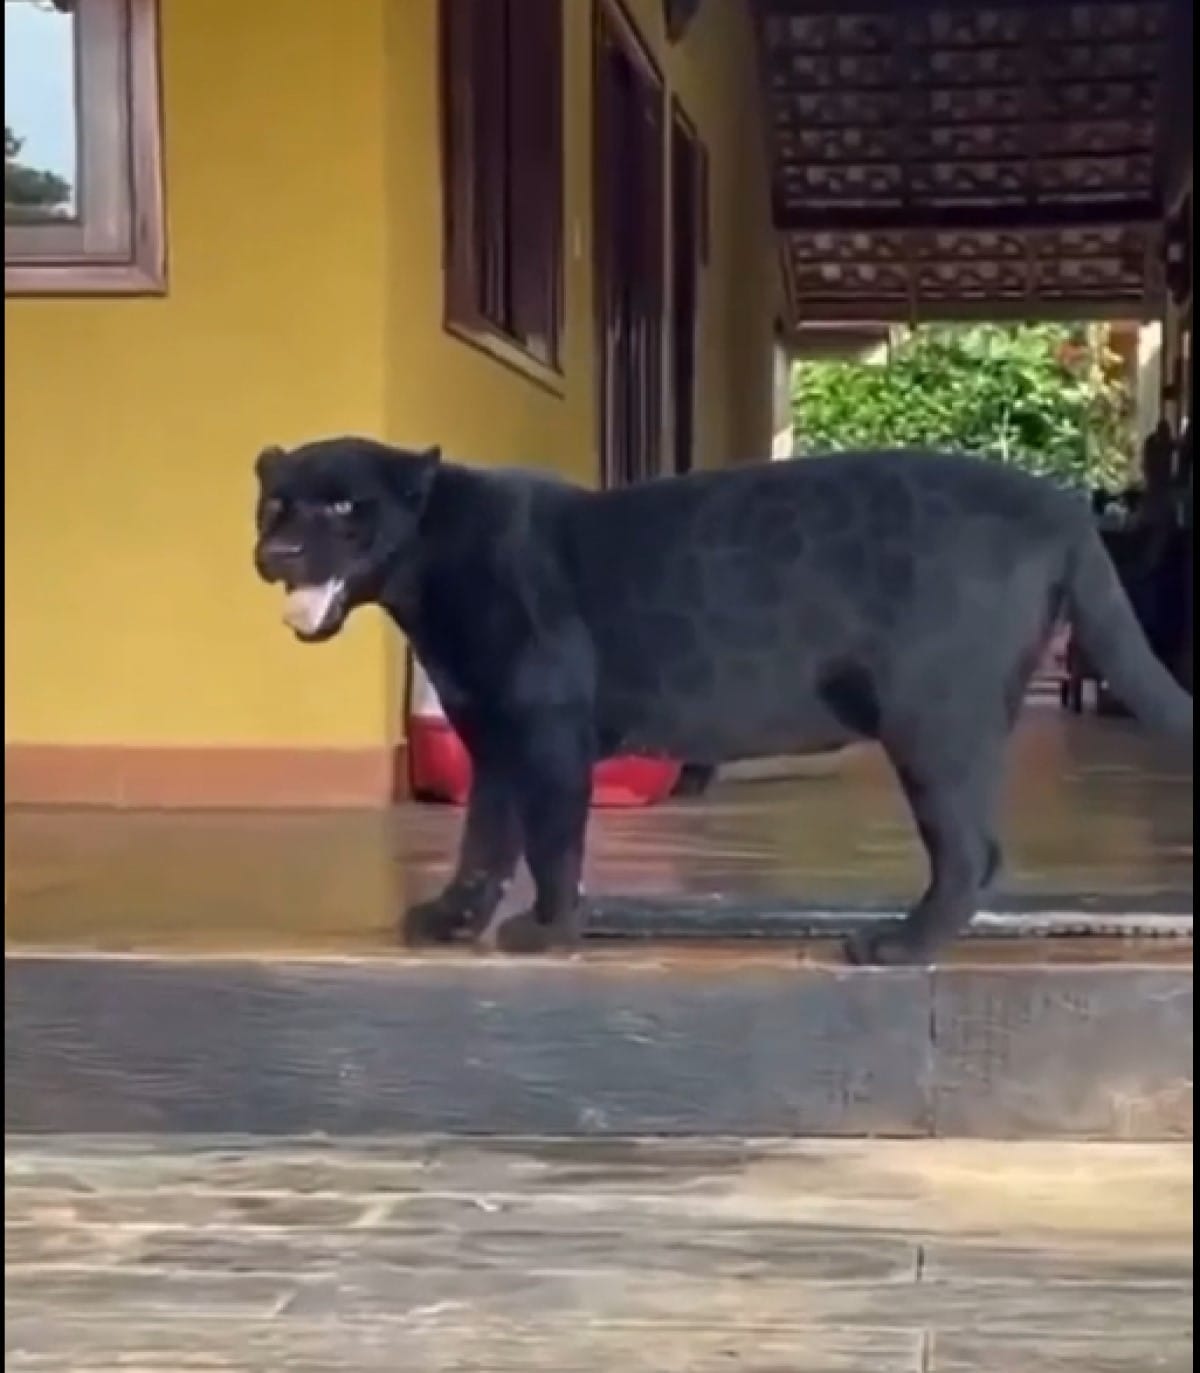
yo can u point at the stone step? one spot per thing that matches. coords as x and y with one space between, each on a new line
1015 1038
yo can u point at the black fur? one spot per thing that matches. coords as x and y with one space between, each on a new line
789 607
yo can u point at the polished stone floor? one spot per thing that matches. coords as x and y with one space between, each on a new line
1098 817
685 1256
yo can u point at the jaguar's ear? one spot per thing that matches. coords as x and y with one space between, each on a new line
268 463
409 476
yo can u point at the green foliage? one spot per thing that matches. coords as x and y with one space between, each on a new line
1048 398
28 192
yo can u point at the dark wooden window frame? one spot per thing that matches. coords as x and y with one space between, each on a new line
116 245
503 180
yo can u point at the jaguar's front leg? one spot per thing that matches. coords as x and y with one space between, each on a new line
488 856
552 785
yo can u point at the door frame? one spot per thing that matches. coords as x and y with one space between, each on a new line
685 145
614 25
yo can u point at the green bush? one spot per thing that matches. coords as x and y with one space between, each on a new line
1048 398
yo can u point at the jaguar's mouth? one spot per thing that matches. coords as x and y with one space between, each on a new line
314 613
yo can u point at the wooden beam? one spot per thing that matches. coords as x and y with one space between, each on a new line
1032 40
908 125
817 340
634 1044
874 90
836 48
784 9
814 261
801 161
785 116
897 310
1045 217
1176 104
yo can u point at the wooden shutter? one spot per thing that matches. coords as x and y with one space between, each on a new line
474 37
535 175
457 35
493 48
502 158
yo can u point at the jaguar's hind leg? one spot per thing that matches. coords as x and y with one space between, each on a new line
952 792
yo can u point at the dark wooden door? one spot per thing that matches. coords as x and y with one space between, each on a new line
687 183
629 247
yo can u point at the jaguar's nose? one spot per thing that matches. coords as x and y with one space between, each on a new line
275 558
279 549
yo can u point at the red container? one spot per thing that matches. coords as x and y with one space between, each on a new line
440 768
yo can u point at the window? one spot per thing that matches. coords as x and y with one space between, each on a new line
82 175
502 175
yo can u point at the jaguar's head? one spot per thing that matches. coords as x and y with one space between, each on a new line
334 519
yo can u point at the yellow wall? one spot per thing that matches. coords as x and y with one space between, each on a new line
131 611
305 298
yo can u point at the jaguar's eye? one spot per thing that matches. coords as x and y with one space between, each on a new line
341 508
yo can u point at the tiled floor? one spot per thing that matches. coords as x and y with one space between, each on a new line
1098 815
588 1257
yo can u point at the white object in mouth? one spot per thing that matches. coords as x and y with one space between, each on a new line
307 607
